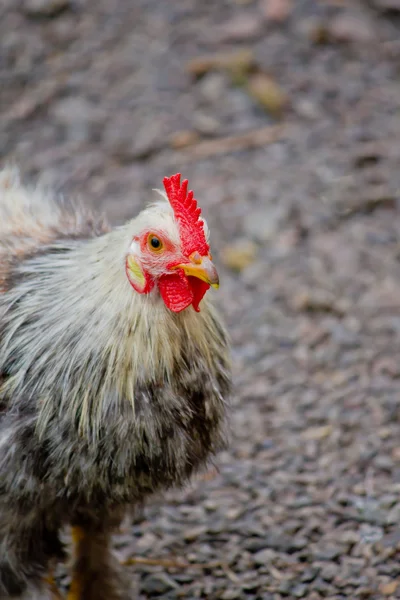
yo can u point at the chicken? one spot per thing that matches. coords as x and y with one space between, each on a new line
114 377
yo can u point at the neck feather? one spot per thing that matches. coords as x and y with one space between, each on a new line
73 326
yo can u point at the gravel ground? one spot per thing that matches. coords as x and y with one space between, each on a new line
285 118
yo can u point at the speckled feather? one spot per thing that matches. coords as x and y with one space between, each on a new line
106 396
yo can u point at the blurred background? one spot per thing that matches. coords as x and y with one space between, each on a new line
284 116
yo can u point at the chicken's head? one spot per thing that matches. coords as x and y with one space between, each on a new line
170 250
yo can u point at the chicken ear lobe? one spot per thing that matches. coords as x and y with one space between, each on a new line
175 291
136 276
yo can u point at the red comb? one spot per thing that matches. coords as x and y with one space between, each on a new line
187 213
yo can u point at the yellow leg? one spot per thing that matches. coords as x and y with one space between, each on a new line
95 575
75 590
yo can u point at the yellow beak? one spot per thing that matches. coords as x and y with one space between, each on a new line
201 267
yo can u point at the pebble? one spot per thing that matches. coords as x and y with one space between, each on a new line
329 571
387 589
351 28
241 27
268 93
263 557
231 594
285 587
149 137
263 225
309 574
235 61
205 124
276 11
328 552
213 87
240 255
195 532
317 433
44 8
158 583
78 116
183 139
299 590
254 544
387 6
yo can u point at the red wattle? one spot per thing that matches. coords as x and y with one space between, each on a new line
179 291
175 291
198 288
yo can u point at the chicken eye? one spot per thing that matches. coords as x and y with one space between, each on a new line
155 243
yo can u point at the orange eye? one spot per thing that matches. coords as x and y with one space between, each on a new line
154 243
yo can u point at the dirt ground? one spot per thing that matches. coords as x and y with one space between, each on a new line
285 117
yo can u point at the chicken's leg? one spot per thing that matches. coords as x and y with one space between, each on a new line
75 590
96 574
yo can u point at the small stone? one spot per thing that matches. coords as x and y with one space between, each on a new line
240 255
285 587
340 334
149 137
263 225
278 540
370 534
317 433
267 93
387 501
44 8
158 583
240 60
213 87
384 462
329 571
231 594
298 543
347 28
146 542
323 587
314 29
263 557
38 97
195 532
205 124
78 116
307 109
183 139
391 540
387 5
386 365
276 10
301 501
387 589
393 515
254 544
328 552
210 505
234 513
240 28
309 574
317 300
193 513
299 590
